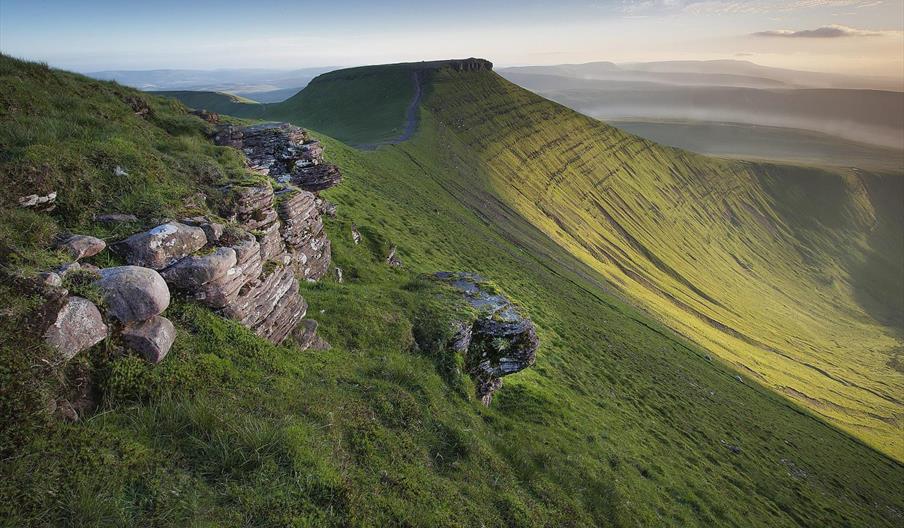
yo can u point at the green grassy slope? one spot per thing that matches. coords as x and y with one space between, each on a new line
334 106
619 424
214 101
708 246
338 108
729 254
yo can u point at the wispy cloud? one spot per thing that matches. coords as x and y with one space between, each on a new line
832 31
736 6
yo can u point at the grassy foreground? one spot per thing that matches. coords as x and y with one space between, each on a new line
619 424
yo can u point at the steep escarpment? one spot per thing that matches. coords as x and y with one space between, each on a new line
762 264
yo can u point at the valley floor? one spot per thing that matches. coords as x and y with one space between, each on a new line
753 142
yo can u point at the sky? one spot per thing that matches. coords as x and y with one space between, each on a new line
845 36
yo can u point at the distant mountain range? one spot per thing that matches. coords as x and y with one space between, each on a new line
852 108
262 85
742 74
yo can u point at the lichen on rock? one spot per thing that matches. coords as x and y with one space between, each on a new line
498 342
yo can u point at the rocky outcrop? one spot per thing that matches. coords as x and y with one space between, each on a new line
471 64
161 246
282 151
317 177
77 326
498 342
81 246
302 232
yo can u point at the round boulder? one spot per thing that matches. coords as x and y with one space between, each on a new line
133 293
152 338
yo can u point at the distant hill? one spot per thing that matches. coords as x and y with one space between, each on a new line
869 116
235 81
212 101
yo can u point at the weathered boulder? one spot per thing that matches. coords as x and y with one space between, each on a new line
66 269
49 279
39 202
356 235
306 336
499 342
213 230
248 267
393 258
151 338
78 325
133 293
82 246
192 272
161 246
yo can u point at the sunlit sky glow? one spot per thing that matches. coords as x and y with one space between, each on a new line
849 36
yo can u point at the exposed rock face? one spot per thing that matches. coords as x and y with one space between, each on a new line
152 338
302 232
317 177
161 246
284 152
133 293
356 235
78 326
82 246
498 343
471 64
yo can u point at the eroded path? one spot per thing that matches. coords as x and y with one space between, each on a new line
410 117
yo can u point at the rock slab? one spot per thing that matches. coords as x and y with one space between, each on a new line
82 246
78 326
162 246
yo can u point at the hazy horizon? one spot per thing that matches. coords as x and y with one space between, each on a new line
856 37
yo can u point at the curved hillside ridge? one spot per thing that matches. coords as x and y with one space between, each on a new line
716 249
366 106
